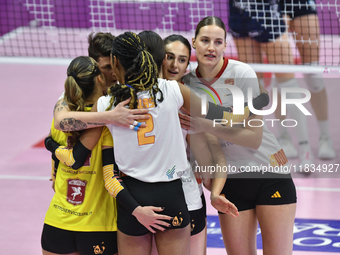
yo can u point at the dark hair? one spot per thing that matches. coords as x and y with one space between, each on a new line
154 45
211 20
180 38
100 45
141 72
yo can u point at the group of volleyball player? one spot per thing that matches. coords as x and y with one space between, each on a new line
121 172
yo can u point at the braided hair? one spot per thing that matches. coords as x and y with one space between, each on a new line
141 71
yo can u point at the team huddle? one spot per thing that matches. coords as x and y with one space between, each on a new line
127 134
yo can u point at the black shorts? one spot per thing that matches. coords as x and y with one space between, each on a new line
198 218
160 194
297 8
62 241
247 190
260 20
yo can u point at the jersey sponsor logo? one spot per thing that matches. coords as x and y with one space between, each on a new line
145 103
76 191
180 173
170 172
99 249
276 195
278 159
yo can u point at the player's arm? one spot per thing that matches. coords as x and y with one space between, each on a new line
114 184
66 120
146 215
75 156
193 105
207 152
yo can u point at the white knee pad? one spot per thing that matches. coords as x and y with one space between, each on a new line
314 81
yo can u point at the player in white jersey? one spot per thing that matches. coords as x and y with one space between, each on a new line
152 159
173 67
177 53
247 147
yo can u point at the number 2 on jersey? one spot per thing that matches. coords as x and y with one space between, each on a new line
141 133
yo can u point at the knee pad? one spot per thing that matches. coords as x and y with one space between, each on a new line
314 82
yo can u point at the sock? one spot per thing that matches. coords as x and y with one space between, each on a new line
324 128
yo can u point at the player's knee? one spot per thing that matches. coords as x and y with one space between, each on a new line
314 82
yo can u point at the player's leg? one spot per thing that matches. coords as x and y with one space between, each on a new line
307 32
276 213
239 234
128 245
173 241
279 52
276 223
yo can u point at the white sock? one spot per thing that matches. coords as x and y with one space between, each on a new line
324 128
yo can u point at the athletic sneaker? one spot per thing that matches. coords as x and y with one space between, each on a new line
287 146
306 158
326 150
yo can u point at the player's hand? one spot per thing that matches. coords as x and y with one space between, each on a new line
184 120
124 117
223 205
147 216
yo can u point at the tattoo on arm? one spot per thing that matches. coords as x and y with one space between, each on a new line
71 124
59 106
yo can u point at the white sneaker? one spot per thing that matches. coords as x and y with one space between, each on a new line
326 150
306 161
287 146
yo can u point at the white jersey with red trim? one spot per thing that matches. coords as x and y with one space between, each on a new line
155 153
192 188
240 158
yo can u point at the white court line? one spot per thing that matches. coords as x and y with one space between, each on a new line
44 178
21 177
318 189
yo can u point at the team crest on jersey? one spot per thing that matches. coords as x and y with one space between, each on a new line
75 191
229 81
